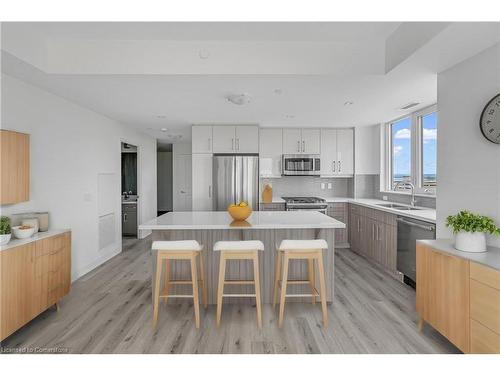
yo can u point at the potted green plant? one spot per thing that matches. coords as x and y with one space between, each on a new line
5 231
470 230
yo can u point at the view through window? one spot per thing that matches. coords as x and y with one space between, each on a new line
429 150
401 150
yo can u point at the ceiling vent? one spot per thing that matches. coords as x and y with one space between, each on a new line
239 99
409 105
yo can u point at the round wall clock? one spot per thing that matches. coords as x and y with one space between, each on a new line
490 120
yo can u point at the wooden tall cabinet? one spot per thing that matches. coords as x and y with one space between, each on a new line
33 278
14 167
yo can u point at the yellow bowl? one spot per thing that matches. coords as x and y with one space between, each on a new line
239 213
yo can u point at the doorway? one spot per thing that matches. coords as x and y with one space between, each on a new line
164 163
129 196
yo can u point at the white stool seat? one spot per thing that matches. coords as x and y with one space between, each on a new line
302 245
238 246
188 245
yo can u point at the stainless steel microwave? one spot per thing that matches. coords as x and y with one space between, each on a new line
300 165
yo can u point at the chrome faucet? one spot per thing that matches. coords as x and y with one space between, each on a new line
407 183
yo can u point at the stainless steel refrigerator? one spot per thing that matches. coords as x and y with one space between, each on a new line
235 179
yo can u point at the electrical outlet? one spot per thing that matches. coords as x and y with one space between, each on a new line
329 186
384 197
322 186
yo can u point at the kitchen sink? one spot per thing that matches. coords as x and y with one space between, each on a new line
398 207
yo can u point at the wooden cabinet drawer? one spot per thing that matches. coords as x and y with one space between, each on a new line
485 305
484 274
483 340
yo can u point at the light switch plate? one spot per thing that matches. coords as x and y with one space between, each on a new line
329 186
322 186
384 197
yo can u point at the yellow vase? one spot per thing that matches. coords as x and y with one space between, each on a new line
267 194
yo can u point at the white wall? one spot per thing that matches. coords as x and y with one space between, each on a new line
367 149
70 146
164 181
468 165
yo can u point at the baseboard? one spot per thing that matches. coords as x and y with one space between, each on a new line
91 266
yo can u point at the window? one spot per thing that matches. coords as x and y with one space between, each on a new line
411 154
401 151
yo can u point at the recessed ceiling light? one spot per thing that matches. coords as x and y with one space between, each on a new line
161 116
239 99
348 103
163 129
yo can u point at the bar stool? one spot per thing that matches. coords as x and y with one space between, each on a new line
178 250
311 250
239 250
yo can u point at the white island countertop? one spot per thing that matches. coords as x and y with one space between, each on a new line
258 220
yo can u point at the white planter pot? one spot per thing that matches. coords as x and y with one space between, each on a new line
5 238
471 242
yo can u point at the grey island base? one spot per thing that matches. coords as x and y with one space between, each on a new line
269 227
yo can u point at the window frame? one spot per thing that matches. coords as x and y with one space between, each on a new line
416 142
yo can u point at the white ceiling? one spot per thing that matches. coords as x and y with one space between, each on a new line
138 96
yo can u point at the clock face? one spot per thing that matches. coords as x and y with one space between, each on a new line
490 120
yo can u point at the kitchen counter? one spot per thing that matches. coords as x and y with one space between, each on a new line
490 258
14 242
424 213
258 220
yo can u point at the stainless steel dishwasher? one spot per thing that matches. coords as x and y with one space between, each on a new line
409 231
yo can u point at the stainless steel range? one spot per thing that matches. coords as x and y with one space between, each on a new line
305 204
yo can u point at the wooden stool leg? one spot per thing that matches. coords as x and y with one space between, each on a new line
312 278
220 288
203 283
322 291
194 280
257 288
284 280
157 289
277 271
166 279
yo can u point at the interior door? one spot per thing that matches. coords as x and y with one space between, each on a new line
311 141
224 182
224 141
182 201
292 141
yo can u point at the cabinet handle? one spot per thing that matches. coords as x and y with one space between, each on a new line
124 217
210 191
358 226
333 165
298 146
209 148
340 166
232 144
373 232
303 146
237 144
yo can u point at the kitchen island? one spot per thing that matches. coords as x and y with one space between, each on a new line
270 227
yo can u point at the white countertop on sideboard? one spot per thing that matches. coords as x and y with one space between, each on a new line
14 242
258 220
490 258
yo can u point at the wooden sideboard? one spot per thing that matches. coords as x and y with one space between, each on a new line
460 298
34 277
14 167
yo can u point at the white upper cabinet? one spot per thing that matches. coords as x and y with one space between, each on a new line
345 151
224 139
247 139
270 147
337 152
301 141
292 141
201 139
202 182
310 141
242 139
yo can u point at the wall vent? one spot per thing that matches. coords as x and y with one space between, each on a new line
409 105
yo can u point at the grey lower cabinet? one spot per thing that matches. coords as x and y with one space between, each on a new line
129 220
275 206
372 233
339 211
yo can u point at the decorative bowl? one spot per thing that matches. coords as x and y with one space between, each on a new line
22 232
4 239
239 213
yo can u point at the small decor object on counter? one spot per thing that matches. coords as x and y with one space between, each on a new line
43 221
32 222
23 231
5 231
470 230
239 212
267 194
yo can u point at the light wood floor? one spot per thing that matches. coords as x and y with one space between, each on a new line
109 311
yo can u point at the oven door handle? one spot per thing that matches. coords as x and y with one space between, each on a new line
429 228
